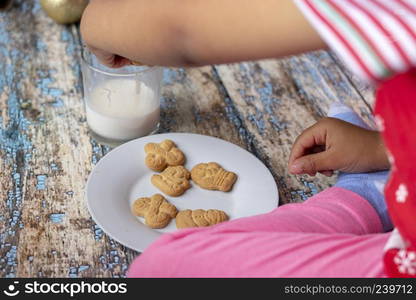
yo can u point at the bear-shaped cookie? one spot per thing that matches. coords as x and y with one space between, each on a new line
156 210
199 218
173 181
163 154
212 176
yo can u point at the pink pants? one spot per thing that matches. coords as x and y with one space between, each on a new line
336 233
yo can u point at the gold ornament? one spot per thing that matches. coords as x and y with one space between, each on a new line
64 11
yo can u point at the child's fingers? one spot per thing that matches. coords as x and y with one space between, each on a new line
303 142
119 62
311 138
112 60
311 164
109 59
327 173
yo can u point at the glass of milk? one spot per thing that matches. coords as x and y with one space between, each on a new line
121 104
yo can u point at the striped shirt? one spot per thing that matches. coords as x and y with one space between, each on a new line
375 38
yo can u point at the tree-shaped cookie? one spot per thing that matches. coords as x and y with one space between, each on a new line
212 176
156 210
200 218
161 155
173 181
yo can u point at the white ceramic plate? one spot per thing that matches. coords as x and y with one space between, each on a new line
121 177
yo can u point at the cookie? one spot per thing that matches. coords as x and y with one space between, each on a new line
161 155
156 210
212 176
173 181
199 218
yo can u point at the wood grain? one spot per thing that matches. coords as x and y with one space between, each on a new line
46 152
365 89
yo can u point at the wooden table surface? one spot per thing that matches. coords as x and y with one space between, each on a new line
46 152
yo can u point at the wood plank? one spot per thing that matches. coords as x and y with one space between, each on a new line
15 147
54 235
47 230
194 101
277 99
365 89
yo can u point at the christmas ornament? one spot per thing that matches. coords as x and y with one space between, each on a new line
64 11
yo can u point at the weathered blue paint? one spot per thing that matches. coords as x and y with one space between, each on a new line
108 260
311 69
73 272
258 120
270 102
41 182
69 193
98 232
57 218
54 92
311 186
232 113
277 124
332 80
83 268
27 7
324 74
15 145
15 218
265 115
47 87
71 39
305 194
172 76
111 261
41 46
166 106
98 151
53 167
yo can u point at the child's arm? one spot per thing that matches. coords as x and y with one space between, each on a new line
196 32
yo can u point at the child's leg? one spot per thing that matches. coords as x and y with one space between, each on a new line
262 254
293 240
334 210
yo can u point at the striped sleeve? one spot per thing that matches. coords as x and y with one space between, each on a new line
375 38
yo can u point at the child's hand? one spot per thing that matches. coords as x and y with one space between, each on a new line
97 28
109 59
332 144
